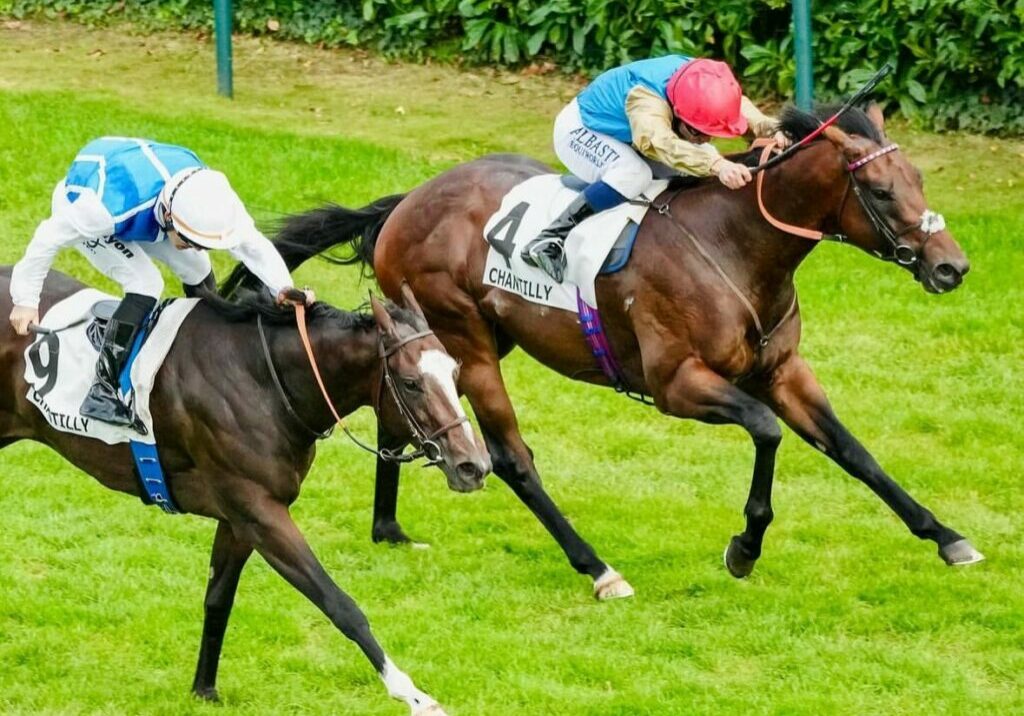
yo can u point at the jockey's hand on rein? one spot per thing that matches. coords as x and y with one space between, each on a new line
290 296
22 317
731 174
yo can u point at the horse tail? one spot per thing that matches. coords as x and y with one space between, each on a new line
302 236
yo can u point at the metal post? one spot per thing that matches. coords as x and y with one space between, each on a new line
222 29
802 46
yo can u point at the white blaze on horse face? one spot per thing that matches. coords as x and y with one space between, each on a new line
441 367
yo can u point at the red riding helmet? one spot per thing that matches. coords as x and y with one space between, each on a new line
705 94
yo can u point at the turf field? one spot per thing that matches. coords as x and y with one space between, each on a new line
101 599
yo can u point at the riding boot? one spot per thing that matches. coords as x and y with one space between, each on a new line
103 401
547 251
196 290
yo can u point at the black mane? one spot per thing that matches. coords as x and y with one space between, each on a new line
797 124
250 304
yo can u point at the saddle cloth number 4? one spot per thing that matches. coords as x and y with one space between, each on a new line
512 220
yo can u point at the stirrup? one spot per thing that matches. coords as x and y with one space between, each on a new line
538 254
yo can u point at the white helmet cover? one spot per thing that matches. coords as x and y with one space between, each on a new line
204 208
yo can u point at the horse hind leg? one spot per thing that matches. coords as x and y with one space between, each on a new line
513 463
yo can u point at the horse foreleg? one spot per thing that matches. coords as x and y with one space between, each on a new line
513 462
280 542
696 392
799 400
226 563
385 495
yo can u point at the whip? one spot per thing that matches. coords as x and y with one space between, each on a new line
856 98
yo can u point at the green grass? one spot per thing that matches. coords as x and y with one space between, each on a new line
101 599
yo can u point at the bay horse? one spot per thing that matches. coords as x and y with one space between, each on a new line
704 318
236 449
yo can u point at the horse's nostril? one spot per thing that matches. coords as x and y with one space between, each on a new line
946 272
467 471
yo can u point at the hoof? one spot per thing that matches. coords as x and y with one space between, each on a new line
736 560
209 694
611 585
432 710
390 532
960 554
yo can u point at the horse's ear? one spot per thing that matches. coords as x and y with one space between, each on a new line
409 300
874 113
843 141
382 317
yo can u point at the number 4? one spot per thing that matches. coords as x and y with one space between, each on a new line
512 220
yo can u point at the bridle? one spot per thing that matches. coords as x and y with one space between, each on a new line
428 446
900 252
426 442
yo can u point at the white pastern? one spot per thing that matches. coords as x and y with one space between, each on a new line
441 367
400 687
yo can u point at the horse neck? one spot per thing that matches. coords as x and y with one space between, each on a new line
803 191
347 361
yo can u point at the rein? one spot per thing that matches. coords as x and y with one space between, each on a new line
428 447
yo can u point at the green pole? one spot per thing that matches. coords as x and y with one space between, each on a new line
222 29
802 46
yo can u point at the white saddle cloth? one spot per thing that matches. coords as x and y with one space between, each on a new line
525 211
60 367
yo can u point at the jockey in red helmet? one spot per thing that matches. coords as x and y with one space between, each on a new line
645 120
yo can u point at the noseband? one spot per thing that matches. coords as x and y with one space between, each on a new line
427 445
900 252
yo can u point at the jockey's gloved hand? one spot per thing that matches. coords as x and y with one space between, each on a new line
22 317
290 296
731 174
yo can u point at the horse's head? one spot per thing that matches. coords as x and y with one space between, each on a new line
418 400
887 215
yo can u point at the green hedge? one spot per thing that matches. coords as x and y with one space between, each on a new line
959 63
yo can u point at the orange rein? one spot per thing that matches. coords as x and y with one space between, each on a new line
780 225
300 319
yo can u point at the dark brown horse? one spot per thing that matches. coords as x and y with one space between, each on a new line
681 334
235 449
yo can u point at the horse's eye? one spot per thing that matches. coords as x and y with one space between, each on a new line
412 385
882 194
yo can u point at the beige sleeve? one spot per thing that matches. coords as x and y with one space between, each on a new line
650 120
760 124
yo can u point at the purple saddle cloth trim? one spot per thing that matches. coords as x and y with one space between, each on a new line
597 341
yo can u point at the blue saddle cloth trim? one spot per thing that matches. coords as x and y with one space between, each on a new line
155 490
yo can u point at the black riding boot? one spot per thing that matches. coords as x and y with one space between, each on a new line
103 402
547 251
196 290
